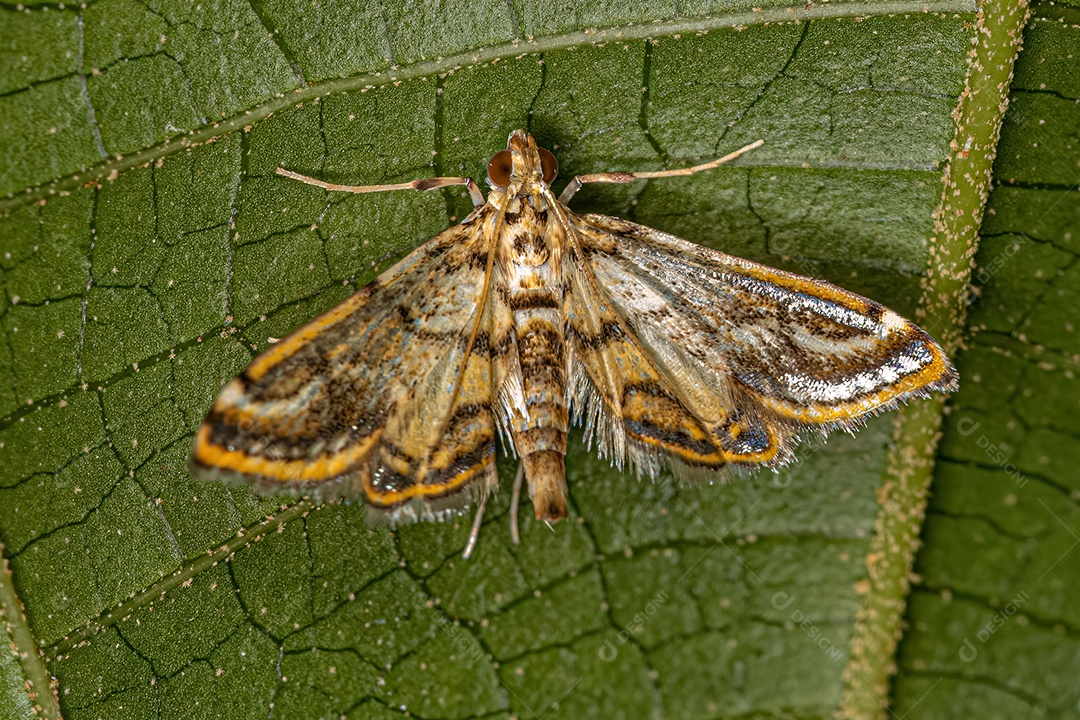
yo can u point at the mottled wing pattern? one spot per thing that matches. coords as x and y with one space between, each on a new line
629 404
708 360
361 401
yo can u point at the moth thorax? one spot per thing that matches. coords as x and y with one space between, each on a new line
529 244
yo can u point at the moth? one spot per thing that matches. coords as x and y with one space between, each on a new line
527 318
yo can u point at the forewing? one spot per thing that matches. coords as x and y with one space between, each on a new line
387 396
755 355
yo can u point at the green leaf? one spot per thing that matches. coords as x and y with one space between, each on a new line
148 252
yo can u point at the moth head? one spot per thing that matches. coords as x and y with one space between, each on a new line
522 163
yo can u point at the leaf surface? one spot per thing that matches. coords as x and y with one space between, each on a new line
149 252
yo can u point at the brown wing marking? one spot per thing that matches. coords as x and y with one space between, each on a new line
361 398
413 461
213 455
893 333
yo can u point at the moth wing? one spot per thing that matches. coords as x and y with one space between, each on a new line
380 398
752 356
629 405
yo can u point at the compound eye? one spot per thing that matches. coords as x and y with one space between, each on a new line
549 165
499 168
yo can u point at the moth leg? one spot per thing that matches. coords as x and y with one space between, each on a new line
474 534
515 500
422 184
625 177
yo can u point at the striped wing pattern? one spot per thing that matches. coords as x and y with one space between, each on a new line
689 355
360 402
